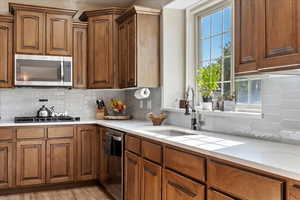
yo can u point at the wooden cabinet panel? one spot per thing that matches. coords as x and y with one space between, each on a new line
6 134
6 54
86 153
31 162
246 31
6 165
152 151
279 27
185 163
214 195
104 167
60 131
100 47
60 160
151 181
131 52
80 56
133 144
294 192
132 189
123 58
180 188
243 184
30 30
30 132
59 35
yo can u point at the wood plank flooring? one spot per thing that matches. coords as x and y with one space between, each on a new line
81 193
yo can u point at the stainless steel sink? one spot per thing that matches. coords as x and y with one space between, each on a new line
171 132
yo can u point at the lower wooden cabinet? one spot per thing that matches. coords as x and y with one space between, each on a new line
60 160
87 152
132 177
30 164
150 181
294 192
181 188
103 164
214 195
6 165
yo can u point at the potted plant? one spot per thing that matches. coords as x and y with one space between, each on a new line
207 80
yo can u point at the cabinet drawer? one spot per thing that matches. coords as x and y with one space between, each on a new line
294 192
6 133
185 163
59 132
133 144
181 188
213 195
243 184
152 151
30 132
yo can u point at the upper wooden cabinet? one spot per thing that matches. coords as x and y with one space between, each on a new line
139 49
42 30
102 47
80 55
6 51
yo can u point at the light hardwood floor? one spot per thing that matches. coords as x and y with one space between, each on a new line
82 193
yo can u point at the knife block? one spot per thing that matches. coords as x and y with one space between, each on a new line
100 113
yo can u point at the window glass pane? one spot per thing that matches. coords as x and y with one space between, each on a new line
205 64
216 22
242 92
227 19
226 90
205 50
227 44
227 69
216 47
255 92
205 27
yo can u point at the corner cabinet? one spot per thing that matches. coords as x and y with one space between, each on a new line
139 49
6 53
42 30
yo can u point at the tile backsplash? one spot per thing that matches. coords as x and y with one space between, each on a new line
24 101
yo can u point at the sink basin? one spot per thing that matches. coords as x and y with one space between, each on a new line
171 132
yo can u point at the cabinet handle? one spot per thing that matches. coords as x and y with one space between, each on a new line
281 50
150 171
182 189
3 27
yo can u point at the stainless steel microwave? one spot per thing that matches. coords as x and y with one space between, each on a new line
49 71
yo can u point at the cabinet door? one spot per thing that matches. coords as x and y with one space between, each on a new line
31 162
80 58
59 35
131 68
104 168
150 181
123 55
180 188
294 192
279 27
100 48
132 177
60 160
6 165
6 55
245 36
30 30
86 153
214 195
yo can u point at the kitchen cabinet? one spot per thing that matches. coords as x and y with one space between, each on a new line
31 158
87 152
80 55
246 28
139 55
60 160
132 189
6 52
103 47
103 164
180 188
6 165
42 30
294 192
214 195
151 181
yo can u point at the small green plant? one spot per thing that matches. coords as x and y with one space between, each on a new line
208 79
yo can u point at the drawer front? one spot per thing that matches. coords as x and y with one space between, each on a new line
6 133
181 188
152 151
213 195
243 184
185 163
30 133
133 144
59 132
294 192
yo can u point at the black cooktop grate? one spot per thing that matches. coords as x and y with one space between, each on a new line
46 119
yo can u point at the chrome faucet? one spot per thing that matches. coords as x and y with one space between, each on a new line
193 107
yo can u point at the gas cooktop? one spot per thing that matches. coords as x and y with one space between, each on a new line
46 119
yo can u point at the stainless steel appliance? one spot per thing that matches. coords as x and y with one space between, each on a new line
35 70
113 148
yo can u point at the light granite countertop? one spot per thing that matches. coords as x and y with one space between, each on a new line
277 158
